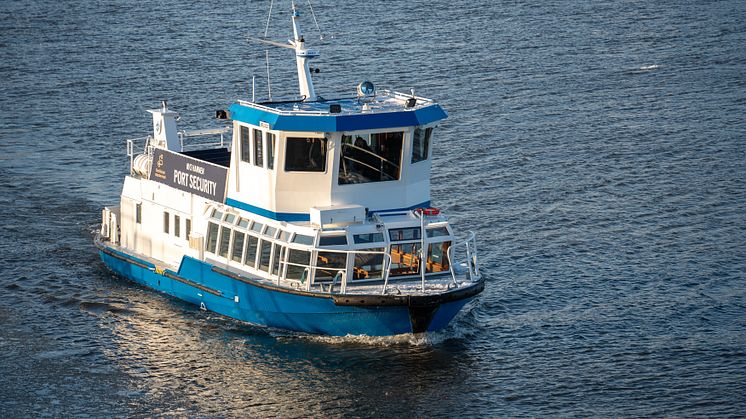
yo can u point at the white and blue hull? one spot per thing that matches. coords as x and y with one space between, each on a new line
244 299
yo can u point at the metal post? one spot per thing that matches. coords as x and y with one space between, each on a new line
423 251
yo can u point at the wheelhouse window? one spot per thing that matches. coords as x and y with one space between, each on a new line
245 144
258 146
420 144
177 226
270 150
370 157
305 154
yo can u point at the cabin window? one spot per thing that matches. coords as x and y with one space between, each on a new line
138 213
166 218
303 239
257 227
188 227
296 258
437 232
401 234
305 154
230 218
333 241
245 144
278 252
225 241
405 259
177 226
368 238
270 150
238 239
251 246
420 144
265 253
212 237
243 223
284 235
217 215
437 257
258 146
370 158
328 264
270 232
368 266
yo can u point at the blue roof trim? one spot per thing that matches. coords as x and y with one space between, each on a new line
279 216
294 216
335 123
425 204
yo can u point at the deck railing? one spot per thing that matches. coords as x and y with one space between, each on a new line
342 275
472 262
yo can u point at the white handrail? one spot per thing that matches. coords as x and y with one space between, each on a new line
343 272
472 263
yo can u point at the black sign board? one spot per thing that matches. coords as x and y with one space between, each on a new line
189 174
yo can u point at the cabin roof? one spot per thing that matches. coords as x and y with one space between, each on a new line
385 110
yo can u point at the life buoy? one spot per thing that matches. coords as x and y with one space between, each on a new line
427 211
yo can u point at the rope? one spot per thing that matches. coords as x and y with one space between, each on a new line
314 20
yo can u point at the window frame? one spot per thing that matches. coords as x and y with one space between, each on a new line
271 139
368 137
245 143
425 136
257 148
166 222
138 213
324 159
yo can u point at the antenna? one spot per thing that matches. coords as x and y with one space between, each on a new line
302 55
266 51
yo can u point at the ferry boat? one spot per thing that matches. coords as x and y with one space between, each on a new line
311 215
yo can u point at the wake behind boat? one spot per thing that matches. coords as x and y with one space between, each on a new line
315 217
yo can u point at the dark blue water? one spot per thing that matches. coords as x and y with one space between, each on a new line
597 148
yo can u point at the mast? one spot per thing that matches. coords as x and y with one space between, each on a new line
302 55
